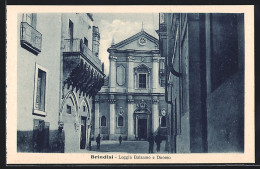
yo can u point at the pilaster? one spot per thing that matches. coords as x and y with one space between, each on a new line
112 104
130 106
155 74
130 60
112 73
155 114
97 128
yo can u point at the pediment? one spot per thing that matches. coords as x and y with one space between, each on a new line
139 41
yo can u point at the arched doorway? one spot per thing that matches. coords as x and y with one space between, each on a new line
71 122
85 129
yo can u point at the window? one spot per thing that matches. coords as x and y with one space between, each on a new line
68 109
103 121
142 81
163 121
120 121
40 91
85 41
84 108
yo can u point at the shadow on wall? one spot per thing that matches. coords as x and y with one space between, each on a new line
45 142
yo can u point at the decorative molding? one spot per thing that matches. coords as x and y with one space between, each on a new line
130 99
163 112
130 58
156 59
123 75
142 65
155 100
142 41
112 57
121 111
112 99
141 105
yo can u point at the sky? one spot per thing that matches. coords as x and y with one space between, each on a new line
122 26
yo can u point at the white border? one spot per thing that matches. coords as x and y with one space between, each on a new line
35 158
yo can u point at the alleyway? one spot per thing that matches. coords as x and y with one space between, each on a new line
125 147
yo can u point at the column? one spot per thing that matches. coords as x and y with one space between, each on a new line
155 73
112 72
97 128
130 73
112 120
155 114
130 106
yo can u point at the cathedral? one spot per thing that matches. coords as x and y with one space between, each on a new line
132 103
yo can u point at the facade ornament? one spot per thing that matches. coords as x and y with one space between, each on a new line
142 105
155 59
155 100
112 99
142 41
163 112
130 58
130 99
113 58
121 111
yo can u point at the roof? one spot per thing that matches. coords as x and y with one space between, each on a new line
133 38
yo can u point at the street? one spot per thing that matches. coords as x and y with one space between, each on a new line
125 147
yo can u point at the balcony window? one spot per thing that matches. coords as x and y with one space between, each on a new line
30 38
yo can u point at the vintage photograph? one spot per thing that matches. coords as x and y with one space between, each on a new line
142 84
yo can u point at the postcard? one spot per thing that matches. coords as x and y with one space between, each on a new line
130 84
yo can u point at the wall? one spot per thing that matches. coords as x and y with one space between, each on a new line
82 26
49 25
226 115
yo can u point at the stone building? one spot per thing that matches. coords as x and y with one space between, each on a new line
59 73
205 86
131 103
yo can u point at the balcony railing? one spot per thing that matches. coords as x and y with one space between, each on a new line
30 38
77 45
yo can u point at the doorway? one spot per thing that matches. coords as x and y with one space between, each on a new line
83 133
142 129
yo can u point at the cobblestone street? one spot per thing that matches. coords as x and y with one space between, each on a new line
125 147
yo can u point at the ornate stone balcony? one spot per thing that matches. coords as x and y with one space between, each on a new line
81 68
77 46
30 38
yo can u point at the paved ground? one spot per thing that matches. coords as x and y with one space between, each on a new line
125 147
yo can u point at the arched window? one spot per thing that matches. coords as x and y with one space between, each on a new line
163 121
103 121
120 121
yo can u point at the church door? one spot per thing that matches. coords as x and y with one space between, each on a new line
142 129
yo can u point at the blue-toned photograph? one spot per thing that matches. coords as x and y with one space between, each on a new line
134 83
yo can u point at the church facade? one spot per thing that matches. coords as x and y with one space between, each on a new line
132 101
